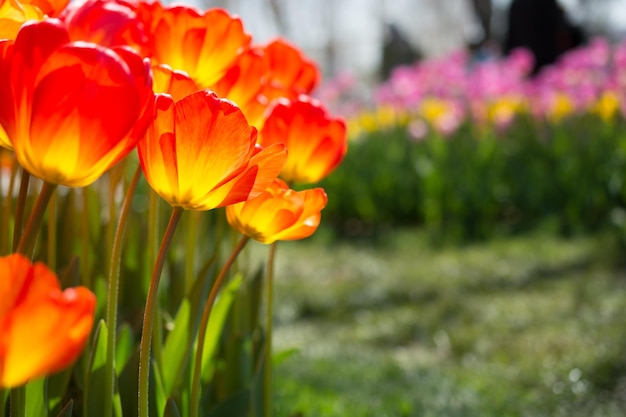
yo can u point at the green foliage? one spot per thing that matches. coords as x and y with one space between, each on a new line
522 326
478 183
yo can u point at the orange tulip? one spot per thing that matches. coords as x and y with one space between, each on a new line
42 328
71 110
290 69
13 14
316 142
175 83
247 83
52 8
203 44
105 22
200 153
265 73
279 213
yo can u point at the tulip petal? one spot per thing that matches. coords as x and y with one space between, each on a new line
42 328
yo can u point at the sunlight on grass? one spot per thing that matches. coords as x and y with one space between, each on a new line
528 326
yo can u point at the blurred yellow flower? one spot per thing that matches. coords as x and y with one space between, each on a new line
607 106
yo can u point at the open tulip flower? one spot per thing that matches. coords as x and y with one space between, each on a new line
200 153
279 213
70 110
316 141
203 44
43 329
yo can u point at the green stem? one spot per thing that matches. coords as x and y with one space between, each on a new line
20 208
18 402
85 246
3 399
148 318
193 220
206 315
4 246
28 238
113 293
268 403
52 234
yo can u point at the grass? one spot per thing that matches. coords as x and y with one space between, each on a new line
526 326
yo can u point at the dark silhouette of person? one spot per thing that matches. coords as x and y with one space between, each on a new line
397 50
543 27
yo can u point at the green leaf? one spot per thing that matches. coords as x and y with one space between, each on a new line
280 357
94 384
176 348
125 347
178 343
57 387
37 398
67 410
216 324
170 409
159 390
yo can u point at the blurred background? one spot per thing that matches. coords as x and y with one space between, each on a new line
471 257
350 35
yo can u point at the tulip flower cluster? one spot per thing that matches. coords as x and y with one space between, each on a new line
444 93
215 120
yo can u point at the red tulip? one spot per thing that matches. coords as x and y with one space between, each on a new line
70 110
105 22
43 329
13 14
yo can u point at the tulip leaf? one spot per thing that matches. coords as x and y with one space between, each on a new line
283 355
177 347
94 384
37 398
159 391
170 409
57 386
67 410
125 347
216 324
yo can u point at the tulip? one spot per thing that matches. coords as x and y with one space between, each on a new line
13 14
290 69
202 44
279 213
265 73
43 329
175 83
200 153
316 141
51 8
70 110
105 22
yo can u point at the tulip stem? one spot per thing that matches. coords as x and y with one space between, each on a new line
148 318
268 403
18 402
113 293
28 238
6 215
206 315
20 208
